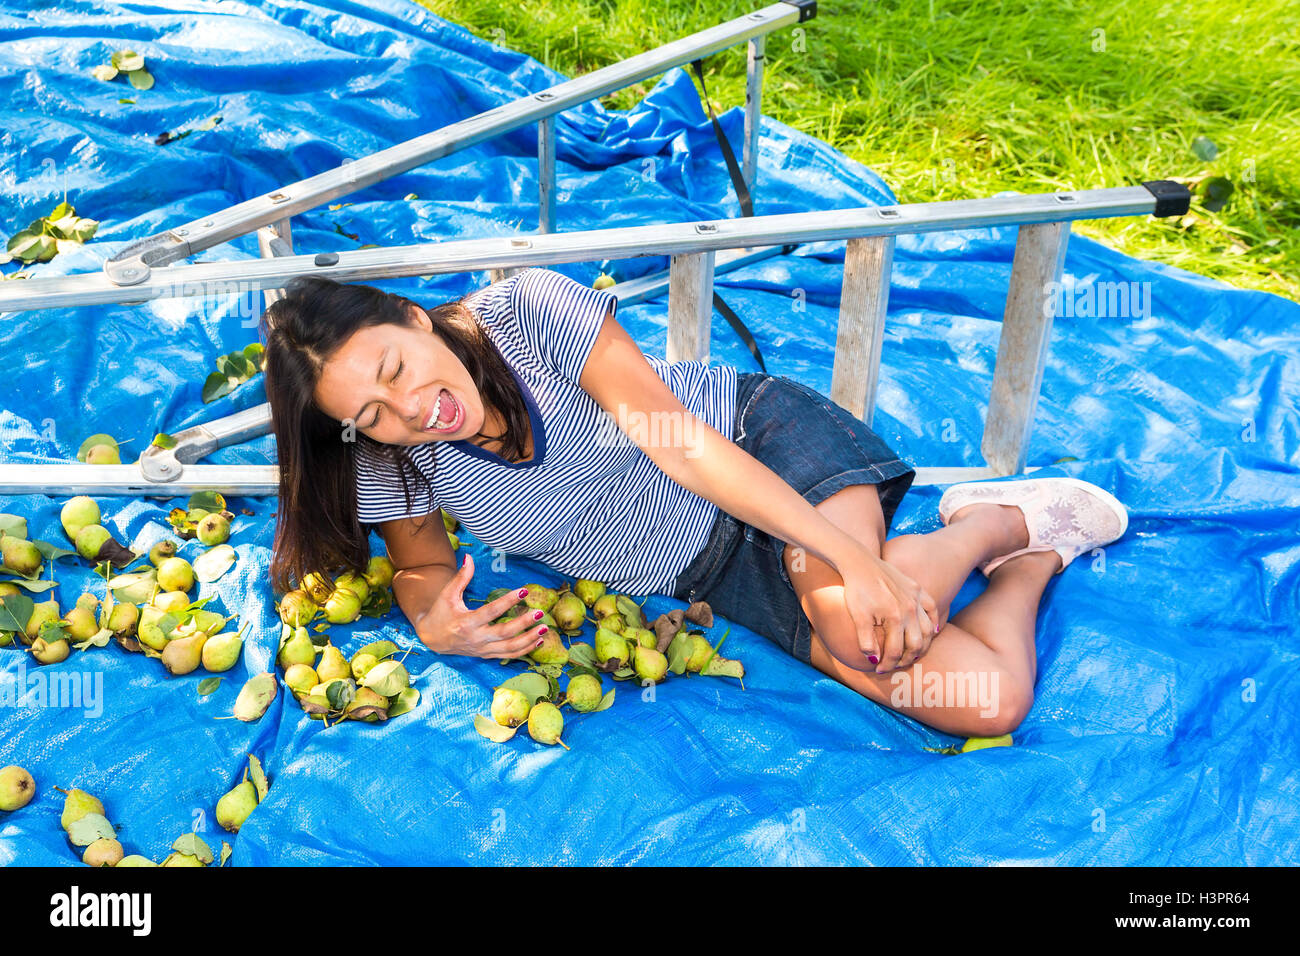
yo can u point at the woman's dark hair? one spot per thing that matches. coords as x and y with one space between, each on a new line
317 527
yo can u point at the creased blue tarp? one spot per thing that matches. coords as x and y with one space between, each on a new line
1165 724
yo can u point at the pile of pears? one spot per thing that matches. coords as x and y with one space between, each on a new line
371 687
626 647
342 599
84 822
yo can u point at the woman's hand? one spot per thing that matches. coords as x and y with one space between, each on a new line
450 627
895 618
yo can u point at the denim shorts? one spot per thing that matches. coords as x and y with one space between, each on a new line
739 572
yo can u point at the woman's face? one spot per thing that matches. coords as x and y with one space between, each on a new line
388 379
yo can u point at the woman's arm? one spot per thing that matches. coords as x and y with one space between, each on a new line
703 461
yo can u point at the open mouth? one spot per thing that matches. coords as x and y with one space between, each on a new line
447 414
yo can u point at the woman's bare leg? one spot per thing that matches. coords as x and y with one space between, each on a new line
977 677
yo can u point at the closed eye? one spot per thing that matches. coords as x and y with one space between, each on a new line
375 421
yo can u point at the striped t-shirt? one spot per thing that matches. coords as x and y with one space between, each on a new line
591 503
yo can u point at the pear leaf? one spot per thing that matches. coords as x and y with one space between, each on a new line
91 827
93 440
191 844
36 587
13 525
255 697
99 639
404 703
225 853
259 777
207 500
208 685
380 649
532 685
605 702
15 612
213 563
492 730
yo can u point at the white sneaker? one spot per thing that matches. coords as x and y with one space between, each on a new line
1065 515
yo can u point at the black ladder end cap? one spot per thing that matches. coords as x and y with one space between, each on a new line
1172 199
807 8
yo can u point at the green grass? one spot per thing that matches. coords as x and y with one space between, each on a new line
957 100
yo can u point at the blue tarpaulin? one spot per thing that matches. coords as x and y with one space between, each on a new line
1165 728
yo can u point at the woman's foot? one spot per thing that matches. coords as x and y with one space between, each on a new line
1064 515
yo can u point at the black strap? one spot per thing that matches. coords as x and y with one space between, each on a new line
733 167
746 209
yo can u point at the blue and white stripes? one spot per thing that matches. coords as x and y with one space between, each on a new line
590 503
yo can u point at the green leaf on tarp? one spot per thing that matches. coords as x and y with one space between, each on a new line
225 853
605 702
15 611
213 563
532 685
216 386
492 730
255 697
380 649
207 500
208 685
91 827
258 776
191 844
53 552
13 525
164 440
140 79
36 587
99 639
404 702
105 72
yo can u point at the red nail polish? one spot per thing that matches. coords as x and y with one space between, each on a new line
523 592
874 659
537 616
542 629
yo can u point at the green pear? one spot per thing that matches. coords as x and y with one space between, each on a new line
82 623
175 574
147 629
51 652
301 678
613 622
103 455
611 647
318 587
605 606
332 665
510 707
171 601
103 852
297 608
89 601
122 620
367 706
221 651
583 693
234 808
650 665
184 654
545 722
343 606
16 788
380 572
161 551
76 804
983 743
551 651
587 591
20 555
540 597
181 859
135 860
8 587
213 529
355 583
90 539
298 649
448 522
42 613
77 513
700 651
604 281
362 664
642 636
569 612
